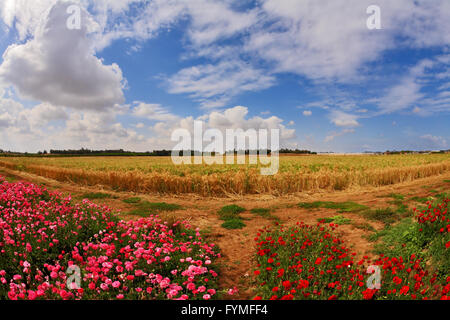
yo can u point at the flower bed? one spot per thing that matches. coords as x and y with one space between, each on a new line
311 262
51 249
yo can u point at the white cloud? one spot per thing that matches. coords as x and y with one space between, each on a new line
342 119
58 66
152 112
214 85
307 113
232 118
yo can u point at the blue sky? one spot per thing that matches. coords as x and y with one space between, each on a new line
137 70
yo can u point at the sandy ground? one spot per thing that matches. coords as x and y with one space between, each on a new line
238 246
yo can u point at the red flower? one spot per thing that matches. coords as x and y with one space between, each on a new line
318 261
404 290
397 280
368 294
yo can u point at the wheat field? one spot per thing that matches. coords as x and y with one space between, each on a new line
296 174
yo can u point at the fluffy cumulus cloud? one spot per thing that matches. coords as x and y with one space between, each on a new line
342 119
152 112
58 65
232 118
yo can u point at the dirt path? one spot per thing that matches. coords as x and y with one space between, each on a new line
238 245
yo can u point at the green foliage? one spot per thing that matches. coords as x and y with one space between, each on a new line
337 220
233 224
265 213
385 215
364 226
420 199
132 200
145 208
403 239
230 212
97 195
340 206
396 196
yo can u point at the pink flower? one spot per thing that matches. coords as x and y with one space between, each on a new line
104 286
201 289
116 284
206 297
17 277
120 296
190 286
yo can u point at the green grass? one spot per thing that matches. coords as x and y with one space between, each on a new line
132 200
342 207
337 220
230 212
396 196
265 213
403 239
233 224
364 226
145 208
97 195
447 181
11 179
420 199
385 215
231 215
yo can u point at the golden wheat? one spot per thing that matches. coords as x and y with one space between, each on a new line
296 174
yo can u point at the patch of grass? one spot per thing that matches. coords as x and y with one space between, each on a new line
364 226
433 191
340 206
260 211
132 200
11 179
446 181
230 212
403 239
395 202
337 220
159 206
420 199
97 195
265 213
396 196
145 208
233 224
385 215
